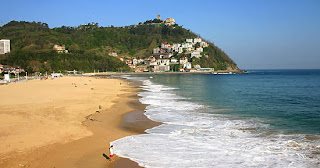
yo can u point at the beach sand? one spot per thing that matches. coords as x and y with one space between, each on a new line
67 122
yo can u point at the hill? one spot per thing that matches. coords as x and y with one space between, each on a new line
88 45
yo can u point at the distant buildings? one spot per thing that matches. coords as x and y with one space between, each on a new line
10 69
4 46
158 21
177 56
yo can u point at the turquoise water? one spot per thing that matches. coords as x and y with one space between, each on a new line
288 100
264 118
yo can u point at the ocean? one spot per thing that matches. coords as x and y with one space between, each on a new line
263 118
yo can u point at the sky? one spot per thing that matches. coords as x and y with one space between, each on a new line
256 34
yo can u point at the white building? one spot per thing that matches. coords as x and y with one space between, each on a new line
197 40
134 61
113 54
195 54
163 61
180 50
186 45
200 49
174 61
187 65
4 46
176 47
189 40
156 50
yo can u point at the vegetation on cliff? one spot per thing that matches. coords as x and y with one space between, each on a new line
88 45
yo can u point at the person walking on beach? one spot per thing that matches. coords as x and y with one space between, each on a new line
111 153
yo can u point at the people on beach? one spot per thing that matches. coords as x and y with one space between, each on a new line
111 153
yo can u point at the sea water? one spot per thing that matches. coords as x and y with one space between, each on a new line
266 118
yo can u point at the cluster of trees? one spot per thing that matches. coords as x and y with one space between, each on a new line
153 21
50 60
89 45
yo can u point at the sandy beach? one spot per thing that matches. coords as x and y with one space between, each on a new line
67 122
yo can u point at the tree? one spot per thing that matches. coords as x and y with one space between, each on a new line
34 66
74 48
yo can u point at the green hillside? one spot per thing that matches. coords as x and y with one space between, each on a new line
89 45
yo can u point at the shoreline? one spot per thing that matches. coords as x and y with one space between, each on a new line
165 73
126 117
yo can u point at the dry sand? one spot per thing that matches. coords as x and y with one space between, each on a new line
58 123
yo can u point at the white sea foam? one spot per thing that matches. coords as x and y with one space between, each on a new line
190 138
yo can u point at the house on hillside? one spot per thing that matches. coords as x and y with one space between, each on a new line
186 45
163 62
204 44
156 50
134 61
113 54
4 46
195 54
200 49
197 40
176 47
189 40
180 50
165 45
60 49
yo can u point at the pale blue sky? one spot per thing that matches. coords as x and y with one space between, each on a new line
256 34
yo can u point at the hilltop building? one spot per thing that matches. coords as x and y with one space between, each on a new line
159 17
170 21
4 46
